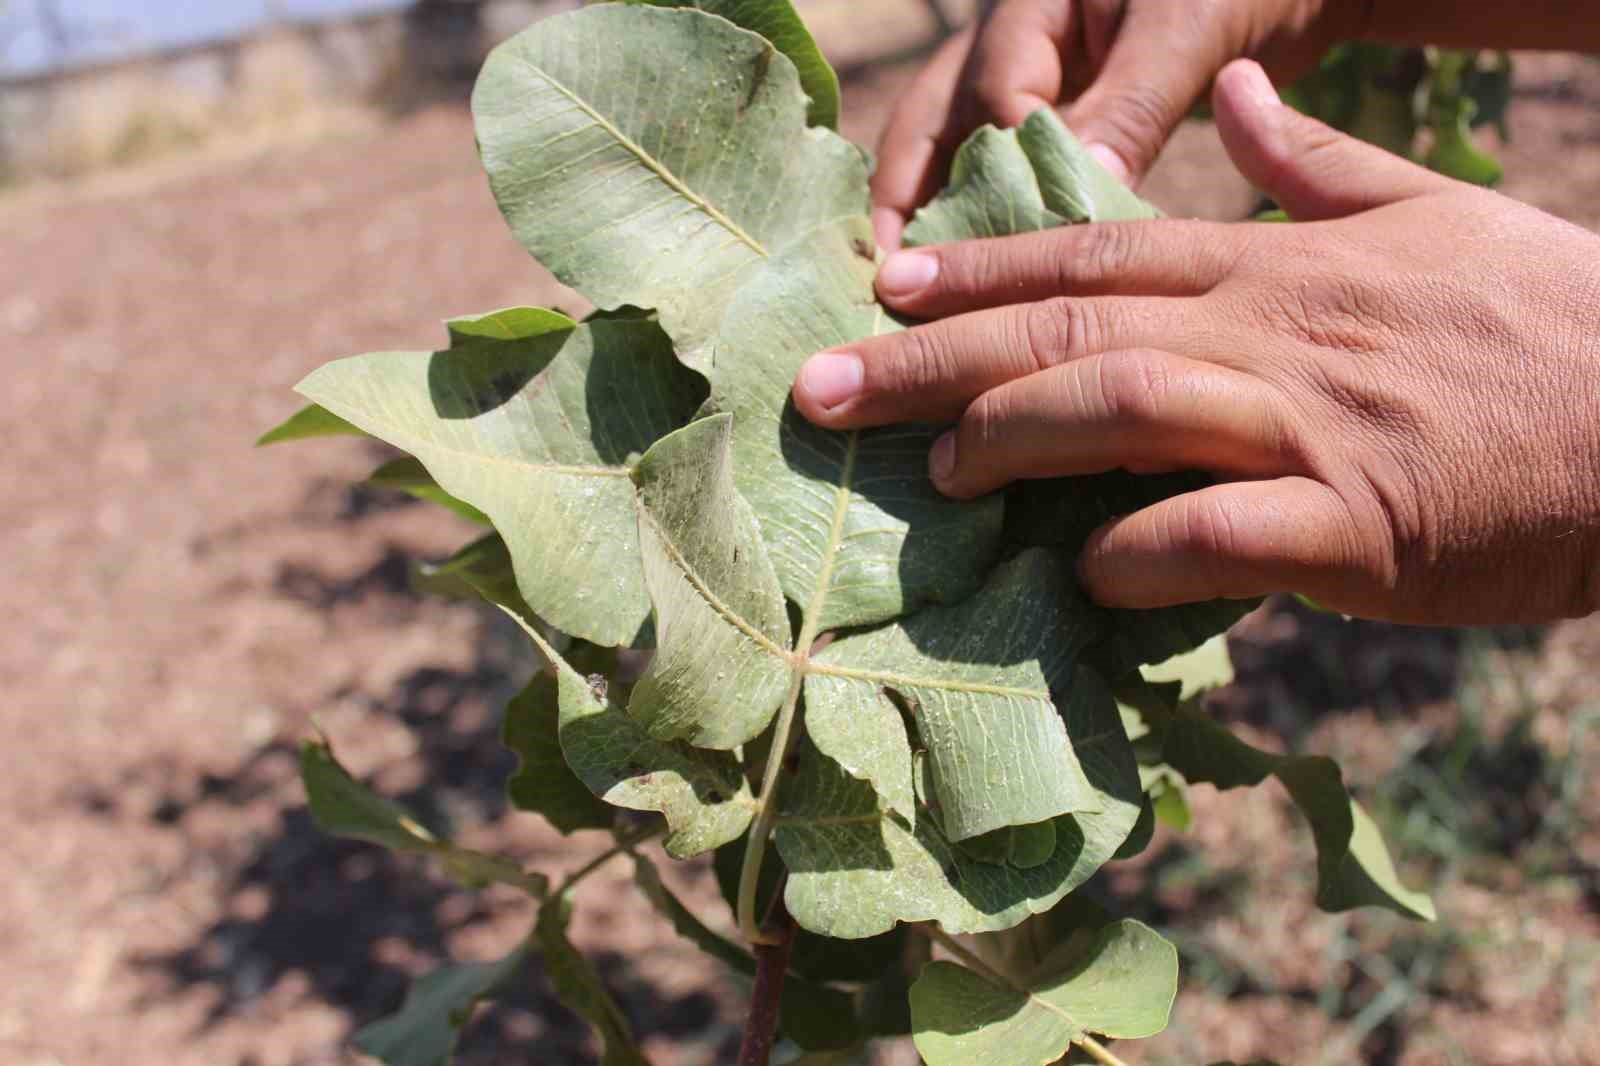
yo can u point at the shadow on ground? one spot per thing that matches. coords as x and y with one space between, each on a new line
348 922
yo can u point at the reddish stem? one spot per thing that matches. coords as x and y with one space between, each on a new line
772 963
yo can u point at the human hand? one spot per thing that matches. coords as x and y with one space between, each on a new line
1401 391
1133 69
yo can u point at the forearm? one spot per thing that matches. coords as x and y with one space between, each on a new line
1537 24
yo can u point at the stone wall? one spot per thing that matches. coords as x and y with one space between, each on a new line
73 121
87 119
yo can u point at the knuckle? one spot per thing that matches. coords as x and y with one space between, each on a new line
971 267
1099 253
919 361
982 426
1133 388
1059 329
1204 527
1140 113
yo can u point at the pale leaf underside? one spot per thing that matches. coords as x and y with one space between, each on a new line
702 794
539 433
1122 986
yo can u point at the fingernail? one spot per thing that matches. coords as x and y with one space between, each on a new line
942 459
831 378
1107 157
906 273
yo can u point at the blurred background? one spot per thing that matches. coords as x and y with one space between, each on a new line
202 201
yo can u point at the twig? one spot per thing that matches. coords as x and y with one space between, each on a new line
756 848
967 955
772 964
1098 1051
625 843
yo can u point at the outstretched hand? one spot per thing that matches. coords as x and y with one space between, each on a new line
1401 393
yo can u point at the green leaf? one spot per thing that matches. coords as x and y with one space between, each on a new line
722 631
702 794
508 324
1172 805
856 869
408 475
855 529
1060 513
1195 672
1019 180
543 783
344 807
1354 868
978 680
482 569
1451 115
813 1015
1143 831
1122 987
653 157
539 433
580 988
425 1029
685 923
818 958
779 23
308 422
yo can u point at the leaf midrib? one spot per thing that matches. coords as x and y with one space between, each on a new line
674 182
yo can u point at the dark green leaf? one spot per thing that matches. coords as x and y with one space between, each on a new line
1353 866
425 1029
543 783
309 422
580 988
408 475
482 569
345 807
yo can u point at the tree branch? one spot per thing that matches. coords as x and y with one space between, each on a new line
772 964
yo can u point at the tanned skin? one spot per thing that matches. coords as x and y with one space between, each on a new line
1400 395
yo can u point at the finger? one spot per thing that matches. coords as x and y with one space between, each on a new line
916 146
1152 75
1164 258
1231 541
930 373
1016 64
1312 171
1142 410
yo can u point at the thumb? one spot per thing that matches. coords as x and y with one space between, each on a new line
1313 171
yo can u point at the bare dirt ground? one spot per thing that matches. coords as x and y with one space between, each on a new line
182 606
